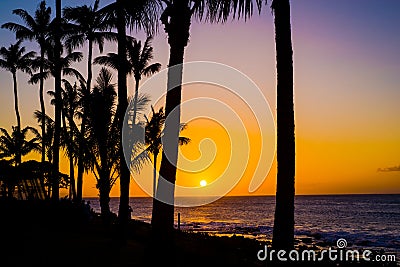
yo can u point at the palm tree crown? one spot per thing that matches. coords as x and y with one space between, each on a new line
37 28
14 58
15 146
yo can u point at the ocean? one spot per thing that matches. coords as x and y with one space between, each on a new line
365 221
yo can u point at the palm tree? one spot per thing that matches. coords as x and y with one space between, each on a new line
57 109
52 63
153 134
36 28
102 137
71 101
13 59
90 26
70 109
138 14
46 140
15 146
220 10
176 19
137 62
283 234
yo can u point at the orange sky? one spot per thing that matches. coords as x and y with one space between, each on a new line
346 97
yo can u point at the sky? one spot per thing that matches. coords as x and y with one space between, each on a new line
346 84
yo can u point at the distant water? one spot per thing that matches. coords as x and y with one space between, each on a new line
365 221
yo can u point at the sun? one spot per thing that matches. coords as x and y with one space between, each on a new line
203 183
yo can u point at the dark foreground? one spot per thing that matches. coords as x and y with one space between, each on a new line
44 234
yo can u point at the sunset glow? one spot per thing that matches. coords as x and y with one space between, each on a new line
346 98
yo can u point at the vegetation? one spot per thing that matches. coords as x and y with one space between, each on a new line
89 120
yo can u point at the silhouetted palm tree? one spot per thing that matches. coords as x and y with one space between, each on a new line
15 146
153 135
71 101
46 139
176 19
57 109
220 10
13 59
283 234
36 28
136 15
137 62
103 136
52 62
89 25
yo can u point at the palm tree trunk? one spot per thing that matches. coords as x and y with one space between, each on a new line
135 100
123 211
155 174
163 214
14 74
176 20
89 66
283 233
72 192
104 194
57 116
42 106
81 169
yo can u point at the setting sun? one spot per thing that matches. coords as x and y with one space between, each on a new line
203 183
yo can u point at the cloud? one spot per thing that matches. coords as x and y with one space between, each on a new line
390 169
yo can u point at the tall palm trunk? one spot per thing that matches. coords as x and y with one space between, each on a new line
135 100
155 173
163 214
177 28
81 169
283 233
70 136
104 195
123 212
89 65
57 113
14 74
42 106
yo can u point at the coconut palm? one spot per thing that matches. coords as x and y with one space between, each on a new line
137 62
46 140
51 65
87 24
102 139
71 101
58 31
153 135
14 146
176 18
70 109
36 28
13 59
283 234
220 10
138 14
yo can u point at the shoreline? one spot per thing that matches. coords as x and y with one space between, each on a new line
60 235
